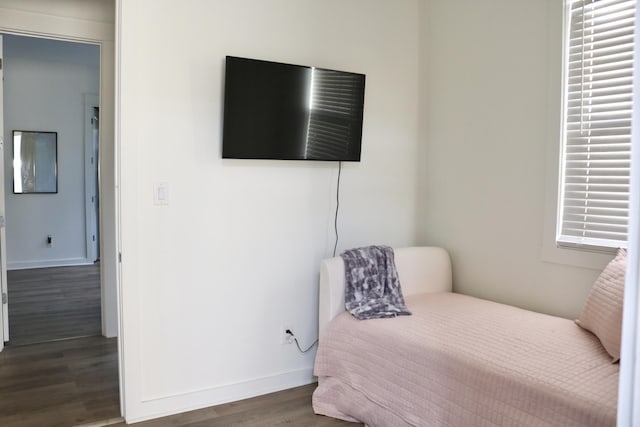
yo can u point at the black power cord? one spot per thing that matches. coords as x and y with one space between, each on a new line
335 220
289 332
292 336
335 246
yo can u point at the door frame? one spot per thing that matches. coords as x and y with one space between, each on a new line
4 307
44 24
91 197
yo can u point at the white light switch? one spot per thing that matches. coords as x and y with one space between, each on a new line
160 193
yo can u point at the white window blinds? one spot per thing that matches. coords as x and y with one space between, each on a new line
594 192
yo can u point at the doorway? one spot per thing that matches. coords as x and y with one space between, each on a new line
91 24
86 25
51 236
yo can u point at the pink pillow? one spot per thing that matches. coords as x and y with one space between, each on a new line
602 312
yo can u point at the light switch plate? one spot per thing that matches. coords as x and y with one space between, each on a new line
160 193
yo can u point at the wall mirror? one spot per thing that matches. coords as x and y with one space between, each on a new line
35 162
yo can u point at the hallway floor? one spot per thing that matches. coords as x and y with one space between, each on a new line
47 304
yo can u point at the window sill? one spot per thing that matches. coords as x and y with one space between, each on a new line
584 256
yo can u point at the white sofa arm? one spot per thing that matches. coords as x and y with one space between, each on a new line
420 270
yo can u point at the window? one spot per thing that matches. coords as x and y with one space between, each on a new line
596 141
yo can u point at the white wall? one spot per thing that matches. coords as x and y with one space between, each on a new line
491 76
208 280
45 82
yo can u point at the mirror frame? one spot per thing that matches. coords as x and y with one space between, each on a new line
53 169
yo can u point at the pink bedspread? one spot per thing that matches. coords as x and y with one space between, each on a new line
463 361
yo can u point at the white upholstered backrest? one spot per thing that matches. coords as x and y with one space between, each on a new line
420 270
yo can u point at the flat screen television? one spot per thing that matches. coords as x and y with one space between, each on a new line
291 112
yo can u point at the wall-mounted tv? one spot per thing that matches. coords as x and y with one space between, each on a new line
291 112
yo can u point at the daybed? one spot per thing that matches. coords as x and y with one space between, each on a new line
457 360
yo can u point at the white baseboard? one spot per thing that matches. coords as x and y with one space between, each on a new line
169 405
24 265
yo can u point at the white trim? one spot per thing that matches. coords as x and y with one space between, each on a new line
108 189
629 386
116 121
65 262
156 407
4 308
50 26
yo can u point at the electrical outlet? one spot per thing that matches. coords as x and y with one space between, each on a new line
285 338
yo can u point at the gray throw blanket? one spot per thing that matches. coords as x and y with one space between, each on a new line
372 288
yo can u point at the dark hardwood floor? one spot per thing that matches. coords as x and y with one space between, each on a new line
62 383
286 408
48 304
75 383
71 382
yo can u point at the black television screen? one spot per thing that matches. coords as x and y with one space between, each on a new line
291 112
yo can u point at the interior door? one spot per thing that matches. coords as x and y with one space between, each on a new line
4 307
